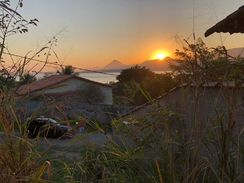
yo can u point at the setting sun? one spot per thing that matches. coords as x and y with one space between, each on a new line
160 55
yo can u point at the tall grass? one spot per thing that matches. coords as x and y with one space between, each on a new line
160 146
156 147
19 161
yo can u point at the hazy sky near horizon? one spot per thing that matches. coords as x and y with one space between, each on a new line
94 32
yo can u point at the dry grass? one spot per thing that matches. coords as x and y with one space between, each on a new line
19 162
144 151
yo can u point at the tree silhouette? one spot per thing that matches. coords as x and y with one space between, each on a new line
199 64
136 73
138 85
67 70
26 79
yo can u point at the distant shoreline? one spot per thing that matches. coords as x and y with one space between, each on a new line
96 76
119 70
106 71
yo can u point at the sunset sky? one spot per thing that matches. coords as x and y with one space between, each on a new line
95 32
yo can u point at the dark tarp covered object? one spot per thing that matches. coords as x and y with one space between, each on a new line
234 23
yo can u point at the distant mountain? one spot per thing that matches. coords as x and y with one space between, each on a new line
236 52
94 68
158 65
154 65
115 65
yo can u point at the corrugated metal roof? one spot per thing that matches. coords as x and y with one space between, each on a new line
50 81
224 84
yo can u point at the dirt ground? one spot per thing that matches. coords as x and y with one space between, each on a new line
68 148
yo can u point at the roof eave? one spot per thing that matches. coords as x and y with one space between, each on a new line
230 24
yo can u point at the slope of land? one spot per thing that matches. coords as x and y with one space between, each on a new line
154 65
115 65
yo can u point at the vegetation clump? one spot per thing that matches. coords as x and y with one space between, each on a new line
138 85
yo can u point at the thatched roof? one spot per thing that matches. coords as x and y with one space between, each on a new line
234 23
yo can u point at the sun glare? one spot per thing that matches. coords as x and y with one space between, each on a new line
160 55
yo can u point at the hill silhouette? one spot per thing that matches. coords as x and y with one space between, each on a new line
154 65
115 65
161 65
236 52
158 65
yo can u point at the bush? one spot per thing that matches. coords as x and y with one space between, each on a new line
147 89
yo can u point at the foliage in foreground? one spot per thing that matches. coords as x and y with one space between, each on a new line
19 160
158 151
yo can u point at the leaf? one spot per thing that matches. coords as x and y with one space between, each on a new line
24 30
9 9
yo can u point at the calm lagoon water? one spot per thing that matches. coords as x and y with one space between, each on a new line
105 78
99 77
